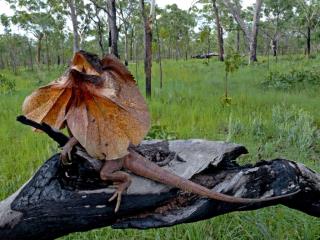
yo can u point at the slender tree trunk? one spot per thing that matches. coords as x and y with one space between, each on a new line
100 37
73 14
30 55
255 28
308 41
238 40
147 44
47 53
136 58
39 48
176 51
219 30
159 53
274 47
126 47
131 45
112 22
13 60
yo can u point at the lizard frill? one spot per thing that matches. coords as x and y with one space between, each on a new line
104 111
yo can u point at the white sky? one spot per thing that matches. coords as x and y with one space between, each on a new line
183 4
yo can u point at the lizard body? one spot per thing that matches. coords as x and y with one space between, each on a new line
103 110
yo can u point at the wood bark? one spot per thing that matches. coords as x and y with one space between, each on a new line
59 200
73 14
308 41
159 54
112 22
218 30
30 54
40 36
147 21
250 36
238 40
255 29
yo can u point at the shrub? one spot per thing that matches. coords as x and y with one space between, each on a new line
160 132
6 85
293 79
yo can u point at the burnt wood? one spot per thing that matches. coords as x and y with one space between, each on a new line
59 200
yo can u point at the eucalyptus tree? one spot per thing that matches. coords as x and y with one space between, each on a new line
219 29
251 35
126 11
175 27
308 18
113 29
148 25
277 15
39 24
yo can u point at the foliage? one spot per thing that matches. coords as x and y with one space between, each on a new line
160 132
6 85
293 79
231 62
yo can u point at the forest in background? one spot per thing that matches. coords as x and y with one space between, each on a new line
50 31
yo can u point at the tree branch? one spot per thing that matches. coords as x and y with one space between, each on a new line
59 200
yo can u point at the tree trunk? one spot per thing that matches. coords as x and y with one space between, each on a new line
59 200
255 28
236 13
219 31
30 55
238 40
126 47
39 48
47 53
112 22
131 44
100 37
308 41
159 53
274 47
147 44
72 6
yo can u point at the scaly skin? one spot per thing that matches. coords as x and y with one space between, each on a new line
102 108
141 166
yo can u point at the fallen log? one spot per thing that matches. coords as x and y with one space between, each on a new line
59 199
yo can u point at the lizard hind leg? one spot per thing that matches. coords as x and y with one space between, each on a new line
111 171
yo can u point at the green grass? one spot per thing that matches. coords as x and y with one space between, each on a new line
190 105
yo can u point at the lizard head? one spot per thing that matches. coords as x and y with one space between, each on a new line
86 66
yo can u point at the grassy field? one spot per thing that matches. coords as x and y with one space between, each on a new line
271 122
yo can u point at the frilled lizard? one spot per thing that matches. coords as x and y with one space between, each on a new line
99 103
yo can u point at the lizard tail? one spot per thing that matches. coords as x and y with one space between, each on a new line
145 168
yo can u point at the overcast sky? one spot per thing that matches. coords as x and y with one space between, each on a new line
183 4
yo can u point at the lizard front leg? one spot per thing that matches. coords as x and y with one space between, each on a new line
65 155
111 171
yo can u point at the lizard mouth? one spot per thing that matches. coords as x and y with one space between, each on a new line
86 63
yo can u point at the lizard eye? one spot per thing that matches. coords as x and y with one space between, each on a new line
82 64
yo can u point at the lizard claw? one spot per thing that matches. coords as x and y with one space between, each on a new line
117 194
65 158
